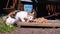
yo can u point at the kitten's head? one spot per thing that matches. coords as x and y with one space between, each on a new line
31 16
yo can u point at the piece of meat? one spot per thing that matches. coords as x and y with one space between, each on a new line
41 20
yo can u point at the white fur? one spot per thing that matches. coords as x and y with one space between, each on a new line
21 15
10 20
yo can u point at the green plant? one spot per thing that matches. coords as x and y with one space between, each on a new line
4 27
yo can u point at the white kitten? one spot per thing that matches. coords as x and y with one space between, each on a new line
10 21
23 14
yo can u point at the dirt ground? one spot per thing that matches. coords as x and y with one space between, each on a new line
19 30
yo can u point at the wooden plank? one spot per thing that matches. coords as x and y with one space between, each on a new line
8 10
39 24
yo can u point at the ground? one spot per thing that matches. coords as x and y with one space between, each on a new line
19 30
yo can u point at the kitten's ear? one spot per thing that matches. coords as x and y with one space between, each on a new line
33 13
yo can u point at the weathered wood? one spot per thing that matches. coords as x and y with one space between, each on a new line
8 10
52 23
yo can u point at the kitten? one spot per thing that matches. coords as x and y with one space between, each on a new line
10 21
22 15
10 18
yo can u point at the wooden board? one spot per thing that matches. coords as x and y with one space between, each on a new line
8 10
52 23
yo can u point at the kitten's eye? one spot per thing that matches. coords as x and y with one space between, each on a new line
30 17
